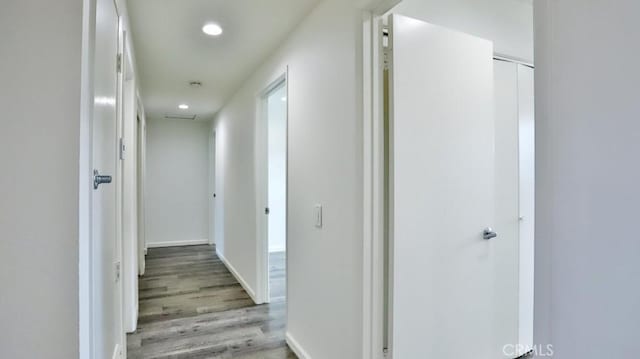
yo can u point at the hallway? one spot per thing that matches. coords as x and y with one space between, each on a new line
191 306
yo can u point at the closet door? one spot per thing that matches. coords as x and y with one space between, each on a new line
441 183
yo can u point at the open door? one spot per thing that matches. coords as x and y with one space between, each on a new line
443 266
107 332
276 112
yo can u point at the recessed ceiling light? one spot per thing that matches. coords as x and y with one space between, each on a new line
284 98
212 29
183 107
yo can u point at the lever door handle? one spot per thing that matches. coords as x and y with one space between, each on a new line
488 233
99 179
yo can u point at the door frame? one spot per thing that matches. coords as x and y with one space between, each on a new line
123 49
130 266
141 160
212 185
262 181
373 204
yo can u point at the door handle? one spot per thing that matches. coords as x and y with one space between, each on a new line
488 233
99 179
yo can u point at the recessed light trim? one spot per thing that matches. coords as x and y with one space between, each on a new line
212 29
183 106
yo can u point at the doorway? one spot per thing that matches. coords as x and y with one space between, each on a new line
449 179
275 114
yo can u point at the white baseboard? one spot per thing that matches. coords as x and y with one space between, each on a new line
238 277
195 242
116 352
296 347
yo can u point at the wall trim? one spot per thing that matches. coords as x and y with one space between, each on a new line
238 277
296 347
116 352
194 242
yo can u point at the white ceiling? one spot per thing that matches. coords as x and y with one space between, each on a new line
171 49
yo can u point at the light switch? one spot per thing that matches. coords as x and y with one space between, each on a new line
317 212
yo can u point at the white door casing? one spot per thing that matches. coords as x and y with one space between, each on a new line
141 188
506 248
515 196
118 265
526 129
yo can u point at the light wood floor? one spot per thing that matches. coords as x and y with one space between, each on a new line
277 276
192 307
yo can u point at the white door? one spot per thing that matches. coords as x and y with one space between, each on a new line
443 287
107 331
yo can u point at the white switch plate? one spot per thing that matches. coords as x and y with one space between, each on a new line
317 213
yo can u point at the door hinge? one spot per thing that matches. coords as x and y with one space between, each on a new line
385 352
385 36
385 60
386 48
266 210
121 148
119 63
117 271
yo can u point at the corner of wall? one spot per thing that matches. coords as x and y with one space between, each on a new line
296 347
250 291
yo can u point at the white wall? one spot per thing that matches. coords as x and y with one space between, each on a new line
40 61
277 177
325 167
508 23
588 141
177 182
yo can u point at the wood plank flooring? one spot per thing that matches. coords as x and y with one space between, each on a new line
191 306
277 276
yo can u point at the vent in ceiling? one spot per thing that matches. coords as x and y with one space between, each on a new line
171 116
